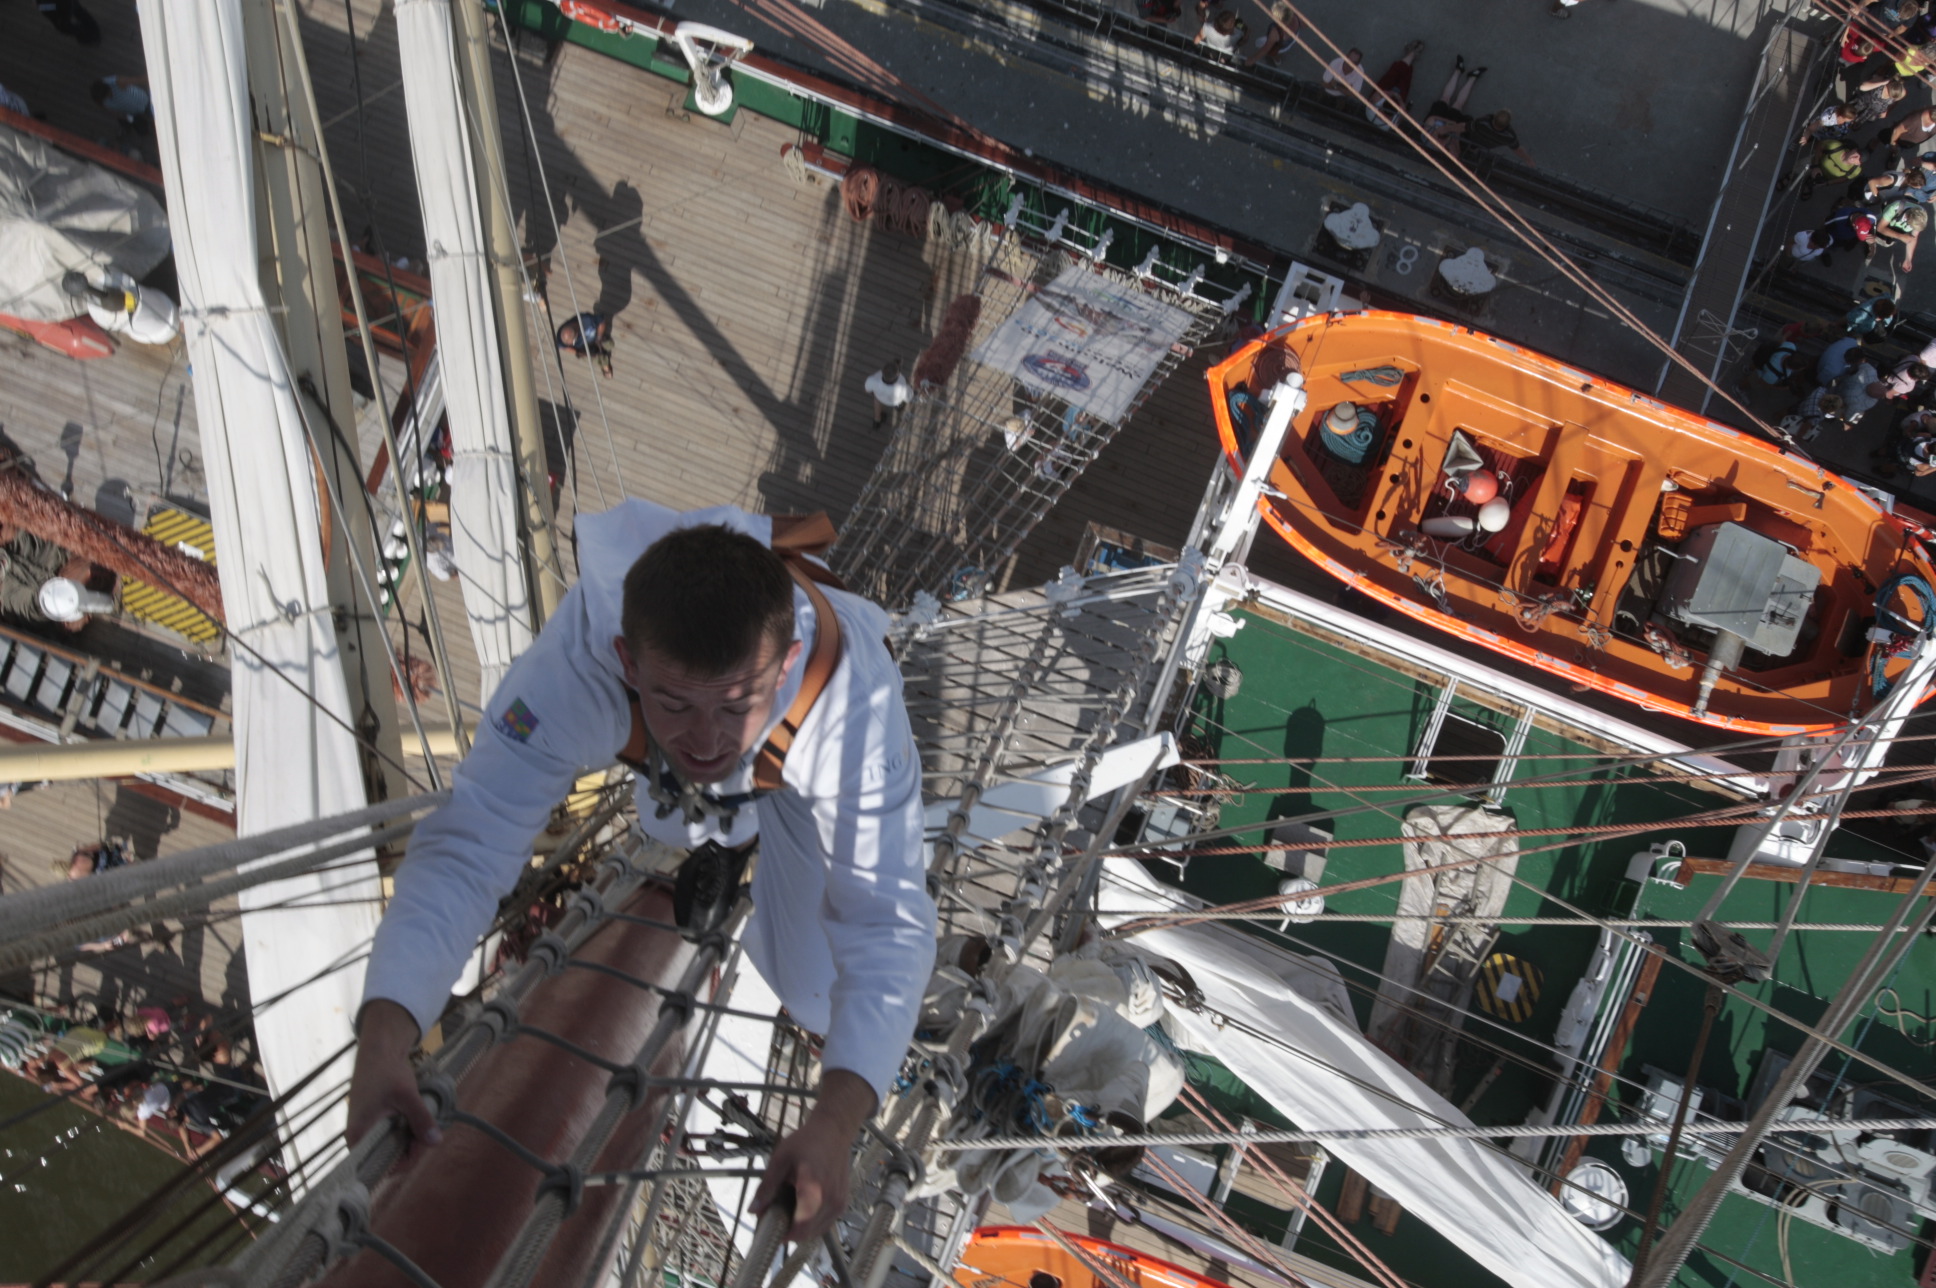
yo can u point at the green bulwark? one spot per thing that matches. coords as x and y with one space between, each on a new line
1332 719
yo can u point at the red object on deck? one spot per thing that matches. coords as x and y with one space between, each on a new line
456 1207
76 337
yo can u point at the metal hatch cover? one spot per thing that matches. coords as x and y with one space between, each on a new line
1731 578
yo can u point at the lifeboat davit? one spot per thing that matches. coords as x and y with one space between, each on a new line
1578 526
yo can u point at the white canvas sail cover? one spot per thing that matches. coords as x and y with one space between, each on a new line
483 474
1319 1072
58 212
295 756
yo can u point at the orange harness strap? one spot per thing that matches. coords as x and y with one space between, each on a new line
794 536
771 757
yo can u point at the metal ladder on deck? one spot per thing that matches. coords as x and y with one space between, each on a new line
53 689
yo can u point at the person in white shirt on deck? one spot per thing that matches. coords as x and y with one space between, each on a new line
1345 74
891 392
697 619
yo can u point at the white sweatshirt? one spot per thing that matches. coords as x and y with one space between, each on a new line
843 928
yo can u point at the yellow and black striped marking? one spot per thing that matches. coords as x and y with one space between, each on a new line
1508 987
143 602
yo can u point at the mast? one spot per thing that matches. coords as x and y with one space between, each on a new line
507 287
233 182
299 278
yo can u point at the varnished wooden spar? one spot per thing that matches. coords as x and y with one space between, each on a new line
455 1208
1557 546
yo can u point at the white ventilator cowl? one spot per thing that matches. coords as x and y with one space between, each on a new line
65 600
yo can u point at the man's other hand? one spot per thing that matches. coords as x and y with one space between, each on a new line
817 1160
383 1086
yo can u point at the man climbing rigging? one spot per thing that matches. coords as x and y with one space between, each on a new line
752 702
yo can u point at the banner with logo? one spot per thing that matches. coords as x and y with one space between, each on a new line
1087 339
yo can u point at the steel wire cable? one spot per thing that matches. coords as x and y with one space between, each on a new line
313 1113
1725 748
1211 1116
534 1236
1716 817
294 1249
25 950
1388 678
301 108
163 581
433 622
1484 1135
1429 797
1602 923
1220 1220
26 910
1266 902
78 1265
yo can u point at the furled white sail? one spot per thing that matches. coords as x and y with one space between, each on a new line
1320 1072
483 478
296 758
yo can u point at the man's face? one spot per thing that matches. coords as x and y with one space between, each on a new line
704 725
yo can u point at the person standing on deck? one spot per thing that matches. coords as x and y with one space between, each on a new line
126 99
588 334
680 650
891 392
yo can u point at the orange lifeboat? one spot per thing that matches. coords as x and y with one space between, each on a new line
1013 1256
1578 526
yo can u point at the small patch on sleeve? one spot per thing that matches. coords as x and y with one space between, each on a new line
517 722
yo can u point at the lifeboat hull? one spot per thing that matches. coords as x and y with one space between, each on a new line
1010 1256
1573 554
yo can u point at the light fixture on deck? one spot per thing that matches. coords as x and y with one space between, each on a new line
707 51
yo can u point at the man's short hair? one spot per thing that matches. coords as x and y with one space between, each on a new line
99 91
707 599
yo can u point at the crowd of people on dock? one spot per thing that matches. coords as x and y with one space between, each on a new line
167 1069
1871 150
174 1074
